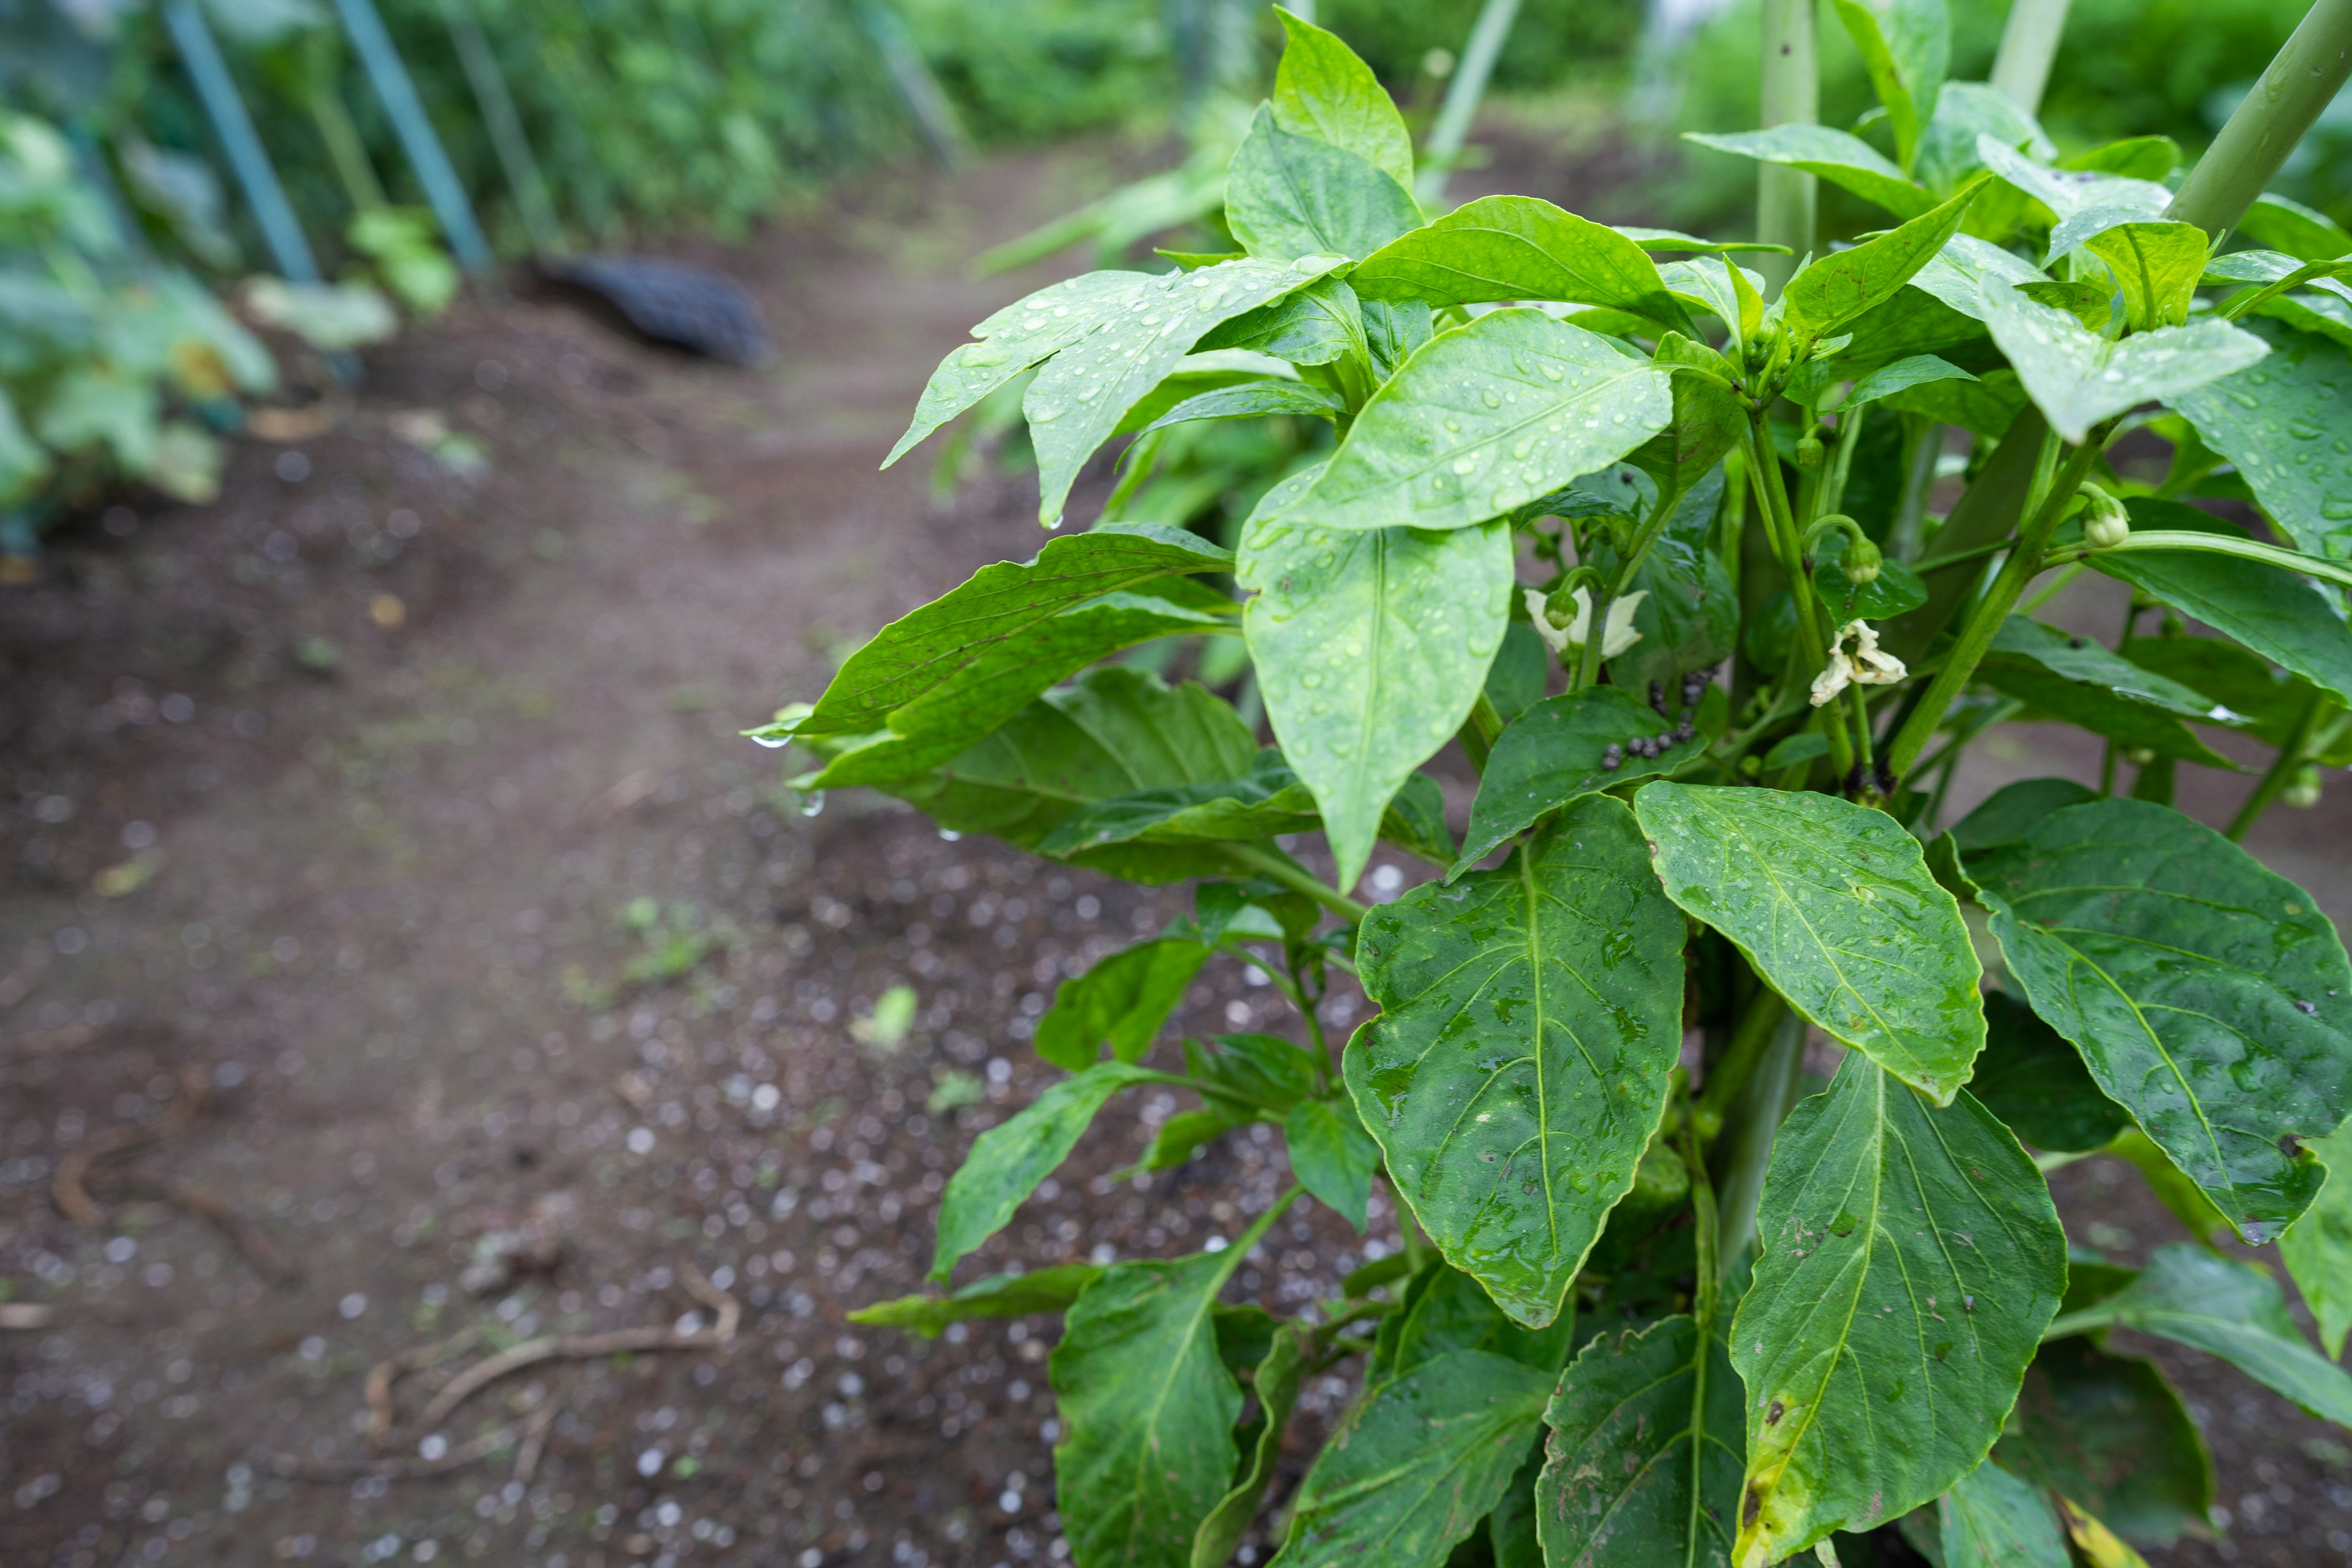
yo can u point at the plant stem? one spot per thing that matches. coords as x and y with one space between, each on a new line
1730 1075
1812 642
2282 766
1462 95
2029 42
1976 636
1787 199
1983 518
1918 478
1478 732
1274 868
2320 566
2302 80
1748 1150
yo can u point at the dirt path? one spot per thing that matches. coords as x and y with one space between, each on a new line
398 944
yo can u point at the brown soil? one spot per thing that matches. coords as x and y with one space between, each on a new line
326 1034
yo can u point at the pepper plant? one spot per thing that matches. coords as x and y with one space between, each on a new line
1656 541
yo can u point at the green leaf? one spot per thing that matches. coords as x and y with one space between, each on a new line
1638 1420
1514 681
1393 330
2078 378
1833 155
1964 111
1918 370
1288 195
1992 1520
1123 1000
2271 700
1147 1410
1446 1310
2034 1080
1675 240
2136 157
1529 1017
2281 615
1416 1464
2109 1432
1322 90
1833 905
2201 1300
998 1296
1027 332
1332 1155
2209 996
2012 811
2065 192
1182 1135
1511 1535
1518 247
2317 1248
1415 821
1906 47
1008 1160
1265 1069
1484 419
1970 274
1274 395
1558 752
1843 284
2304 233
2079 680
1912 1258
2274 421
1707 423
2158 266
1268 801
23 464
1690 617
1370 647
1275 1383
927 647
1316 325
1896 589
1714 283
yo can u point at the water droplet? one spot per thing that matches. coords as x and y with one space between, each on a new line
812 802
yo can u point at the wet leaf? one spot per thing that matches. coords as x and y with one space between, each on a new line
2108 1431
1906 45
2158 266
1275 1383
2282 423
1288 195
1447 1311
2078 378
2203 1300
1370 646
2317 1248
1484 419
1690 617
1322 90
1008 1160
1963 111
2033 1080
2066 192
2304 233
1987 406
2081 681
1841 286
2209 996
1251 399
1518 247
1970 274
1417 1464
1122 1001
1902 374
1836 156
1267 801
1911 1259
1026 332
1992 1520
1555 752
1332 1155
998 1296
1707 424
1313 326
1529 1017
1636 1420
1834 905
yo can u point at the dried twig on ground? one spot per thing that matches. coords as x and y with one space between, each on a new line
378 1389
247 1234
295 1468
534 1440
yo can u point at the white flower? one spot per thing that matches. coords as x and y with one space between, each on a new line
1868 665
1617 633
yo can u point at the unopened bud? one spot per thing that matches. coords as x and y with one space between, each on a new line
1809 451
2105 523
2303 790
1863 560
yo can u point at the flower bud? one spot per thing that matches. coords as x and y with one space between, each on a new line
1863 560
2303 790
1809 451
2105 523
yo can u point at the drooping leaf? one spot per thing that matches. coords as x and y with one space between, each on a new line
2078 378
1332 1155
1147 1409
1906 45
1484 419
1275 1383
1902 375
1267 801
1313 326
1122 1001
1322 90
2209 996
1833 905
2034 1080
2158 266
1638 1421
1370 647
1558 752
2109 1432
2317 1248
2274 422
1417 1464
2244 682
1288 195
1518 247
2201 1300
1911 1259
2080 681
1008 1160
1251 399
1529 1017
1834 156
1841 286
998 1296
1992 1520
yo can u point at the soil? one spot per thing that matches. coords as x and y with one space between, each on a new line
402 956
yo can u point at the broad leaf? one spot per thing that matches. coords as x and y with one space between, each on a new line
1514 681
1251 399
1370 647
1707 423
1906 45
1529 1017
2011 813
1639 1421
2066 192
1267 801
2274 422
1416 1466
1322 90
2034 1080
1992 1520
1265 1069
1713 283
1964 111
1008 1160
2302 232
2206 1302
1518 247
2079 680
1843 284
1026 332
2109 1432
1147 1410
1486 419
1988 405
2209 996
2271 700
1969 275
1313 326
2137 157
2317 1248
1393 330
1122 1001
1911 1260
2078 378
1447 1311
998 1296
2158 266
1288 195
1917 370
1689 617
1833 905
1559 751
1833 155
1332 1155
1275 1383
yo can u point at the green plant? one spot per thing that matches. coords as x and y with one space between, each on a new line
1645 1313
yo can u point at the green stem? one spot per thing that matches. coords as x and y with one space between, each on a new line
1747 1150
1849 436
1274 868
1927 438
2050 590
1729 1076
1462 95
2337 572
2282 766
1982 520
1773 501
1479 730
2302 80
2029 42
1260 1226
1787 199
